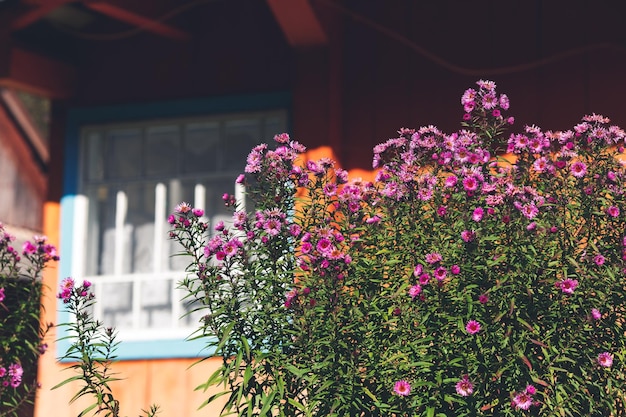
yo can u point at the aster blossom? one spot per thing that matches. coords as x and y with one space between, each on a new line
605 359
472 327
464 387
402 388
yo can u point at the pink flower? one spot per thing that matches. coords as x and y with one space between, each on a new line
402 388
291 296
66 288
468 235
375 219
613 211
483 298
472 327
605 360
611 176
424 278
183 208
470 183
578 169
415 290
455 269
522 401
530 389
28 248
478 213
433 258
2 295
417 271
450 181
324 246
567 285
529 210
440 273
464 387
595 314
599 260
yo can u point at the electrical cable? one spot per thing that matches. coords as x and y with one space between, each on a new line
477 72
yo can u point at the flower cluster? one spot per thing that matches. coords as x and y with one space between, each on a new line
11 376
524 400
498 258
68 290
20 305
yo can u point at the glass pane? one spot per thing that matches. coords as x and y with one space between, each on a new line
140 222
193 312
201 147
161 156
137 231
93 163
117 306
273 126
124 153
240 136
156 304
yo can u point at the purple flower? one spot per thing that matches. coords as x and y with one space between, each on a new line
478 213
472 327
464 387
605 360
402 388
433 258
183 208
578 169
66 289
417 271
28 248
613 211
522 401
599 260
567 285
468 235
415 290
440 273
2 295
595 314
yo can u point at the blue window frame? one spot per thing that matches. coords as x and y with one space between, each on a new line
76 197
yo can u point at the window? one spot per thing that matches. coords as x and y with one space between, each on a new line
130 177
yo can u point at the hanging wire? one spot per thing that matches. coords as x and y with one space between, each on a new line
473 72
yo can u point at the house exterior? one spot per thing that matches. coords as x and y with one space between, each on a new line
157 102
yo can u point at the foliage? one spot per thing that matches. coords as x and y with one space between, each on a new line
91 352
461 282
21 335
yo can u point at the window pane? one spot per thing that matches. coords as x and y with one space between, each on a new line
124 153
161 155
117 306
273 126
156 303
93 162
201 147
239 138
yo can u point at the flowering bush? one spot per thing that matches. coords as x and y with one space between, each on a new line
479 274
21 336
91 351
